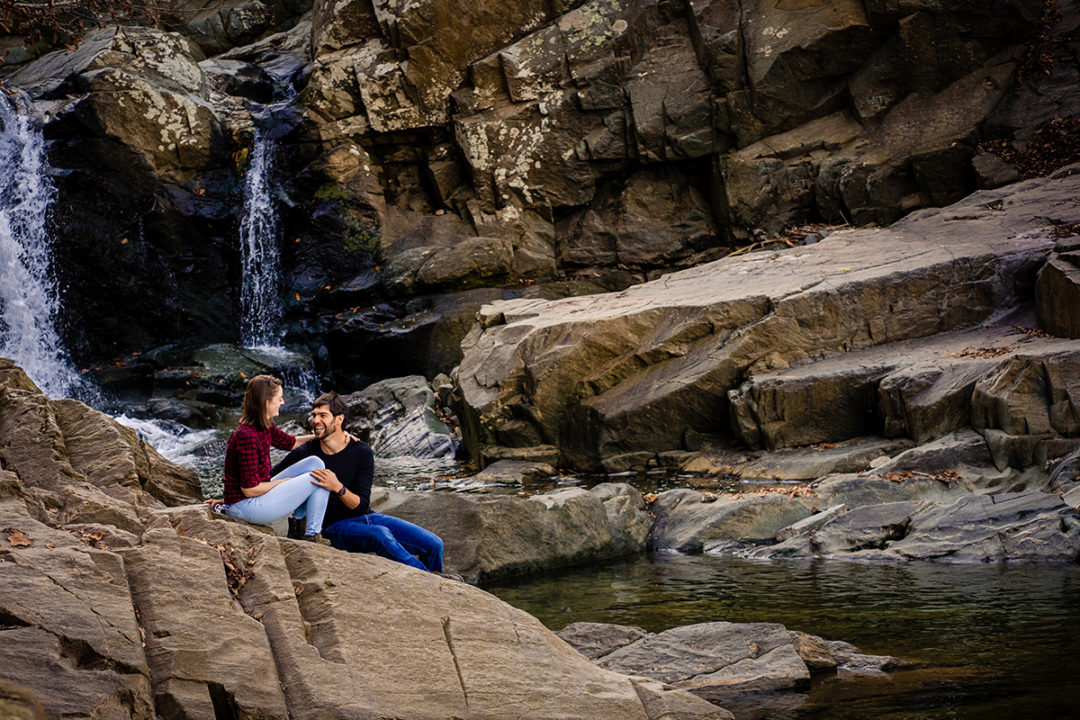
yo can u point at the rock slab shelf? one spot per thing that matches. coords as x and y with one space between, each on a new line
614 379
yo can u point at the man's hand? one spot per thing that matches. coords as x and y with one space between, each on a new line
325 478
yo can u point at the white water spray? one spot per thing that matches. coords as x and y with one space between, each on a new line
260 302
29 300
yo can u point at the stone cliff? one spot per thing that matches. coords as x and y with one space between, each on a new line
438 156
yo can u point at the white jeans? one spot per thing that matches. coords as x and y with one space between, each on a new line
297 496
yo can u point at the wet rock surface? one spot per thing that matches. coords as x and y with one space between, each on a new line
401 417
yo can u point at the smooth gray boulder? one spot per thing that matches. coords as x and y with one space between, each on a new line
690 521
1013 526
489 537
869 527
1027 526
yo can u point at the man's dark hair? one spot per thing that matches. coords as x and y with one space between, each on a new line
335 402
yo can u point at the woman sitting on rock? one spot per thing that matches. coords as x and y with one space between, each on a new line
250 493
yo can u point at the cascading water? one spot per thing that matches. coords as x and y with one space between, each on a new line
260 290
260 303
29 301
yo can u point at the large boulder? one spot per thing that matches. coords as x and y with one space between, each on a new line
1057 292
490 537
635 371
398 417
81 462
322 613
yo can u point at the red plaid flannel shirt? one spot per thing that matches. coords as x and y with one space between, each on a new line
247 458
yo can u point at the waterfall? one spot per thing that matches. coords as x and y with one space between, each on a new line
260 302
29 298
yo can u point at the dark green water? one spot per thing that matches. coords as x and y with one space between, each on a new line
995 642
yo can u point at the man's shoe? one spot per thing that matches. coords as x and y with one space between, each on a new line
318 538
296 528
451 576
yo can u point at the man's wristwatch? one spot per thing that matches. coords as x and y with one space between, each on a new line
341 492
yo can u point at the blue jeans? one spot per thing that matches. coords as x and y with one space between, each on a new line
389 537
296 495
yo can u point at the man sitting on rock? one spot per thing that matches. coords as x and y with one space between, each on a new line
349 523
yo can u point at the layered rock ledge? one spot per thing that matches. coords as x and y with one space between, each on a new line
615 380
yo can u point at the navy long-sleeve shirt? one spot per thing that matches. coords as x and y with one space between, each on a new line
354 466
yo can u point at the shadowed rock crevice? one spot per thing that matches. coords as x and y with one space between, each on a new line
457 665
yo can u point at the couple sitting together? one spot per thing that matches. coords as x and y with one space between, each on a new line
325 480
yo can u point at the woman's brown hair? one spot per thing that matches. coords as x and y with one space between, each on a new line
260 389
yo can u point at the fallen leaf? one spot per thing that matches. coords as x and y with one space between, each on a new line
17 539
50 545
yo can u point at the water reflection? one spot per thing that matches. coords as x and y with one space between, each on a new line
997 641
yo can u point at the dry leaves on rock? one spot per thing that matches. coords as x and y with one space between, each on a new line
236 573
89 538
945 476
17 539
1065 231
1032 332
982 352
798 491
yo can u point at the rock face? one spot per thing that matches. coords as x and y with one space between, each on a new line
488 537
848 337
80 464
432 154
147 181
242 623
1057 292
398 417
